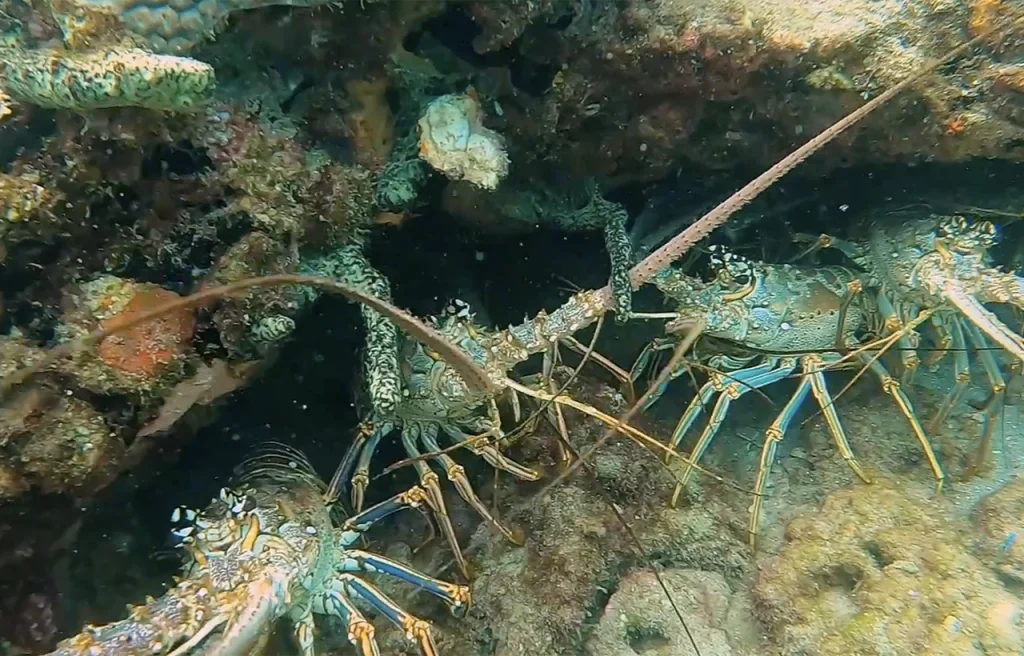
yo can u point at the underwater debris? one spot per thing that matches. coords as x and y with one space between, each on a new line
209 383
455 142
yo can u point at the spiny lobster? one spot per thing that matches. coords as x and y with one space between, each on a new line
264 549
437 400
763 323
939 266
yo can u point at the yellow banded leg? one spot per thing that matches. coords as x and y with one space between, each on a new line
624 377
698 403
304 630
899 397
457 475
962 377
648 356
491 454
942 328
772 437
360 632
994 406
813 368
415 630
456 597
435 499
770 371
553 412
361 477
906 342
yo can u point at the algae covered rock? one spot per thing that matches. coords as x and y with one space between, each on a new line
118 77
639 619
141 361
641 85
880 570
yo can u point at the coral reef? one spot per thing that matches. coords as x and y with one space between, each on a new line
374 143
881 569
742 81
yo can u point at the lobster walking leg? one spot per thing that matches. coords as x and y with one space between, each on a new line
457 476
435 498
891 387
415 629
768 372
456 597
961 376
361 633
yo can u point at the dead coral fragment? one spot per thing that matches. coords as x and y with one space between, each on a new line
83 81
454 141
639 612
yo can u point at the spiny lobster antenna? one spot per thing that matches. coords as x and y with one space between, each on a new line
473 374
688 238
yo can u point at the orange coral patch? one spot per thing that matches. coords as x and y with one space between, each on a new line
144 349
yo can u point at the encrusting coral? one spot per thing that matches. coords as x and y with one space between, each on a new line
117 53
455 142
116 77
